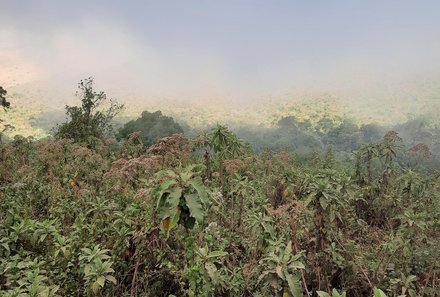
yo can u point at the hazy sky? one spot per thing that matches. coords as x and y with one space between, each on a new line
225 47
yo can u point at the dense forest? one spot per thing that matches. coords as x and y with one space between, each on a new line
156 208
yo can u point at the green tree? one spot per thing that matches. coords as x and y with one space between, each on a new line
226 145
88 121
3 102
152 126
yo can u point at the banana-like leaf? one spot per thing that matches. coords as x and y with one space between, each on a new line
168 208
200 188
195 206
168 203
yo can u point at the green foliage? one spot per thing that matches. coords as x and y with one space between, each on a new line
182 198
280 270
379 293
122 221
3 102
96 268
87 121
152 126
225 143
205 272
6 105
335 293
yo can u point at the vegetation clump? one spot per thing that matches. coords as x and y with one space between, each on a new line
210 217
151 127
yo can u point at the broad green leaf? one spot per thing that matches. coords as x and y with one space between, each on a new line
163 187
379 293
323 294
174 197
195 207
175 219
200 188
162 201
169 206
295 287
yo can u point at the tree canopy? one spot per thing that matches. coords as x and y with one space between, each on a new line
88 121
152 126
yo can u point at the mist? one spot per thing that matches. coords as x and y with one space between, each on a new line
233 52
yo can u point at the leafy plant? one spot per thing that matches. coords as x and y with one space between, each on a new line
182 198
97 268
281 269
205 272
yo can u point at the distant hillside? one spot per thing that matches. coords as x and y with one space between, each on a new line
35 110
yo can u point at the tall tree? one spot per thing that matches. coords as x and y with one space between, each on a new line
88 121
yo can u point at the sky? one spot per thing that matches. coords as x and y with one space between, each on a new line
240 49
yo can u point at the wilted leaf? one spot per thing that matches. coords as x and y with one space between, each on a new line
101 281
111 279
95 287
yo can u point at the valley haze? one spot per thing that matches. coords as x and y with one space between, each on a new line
238 61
